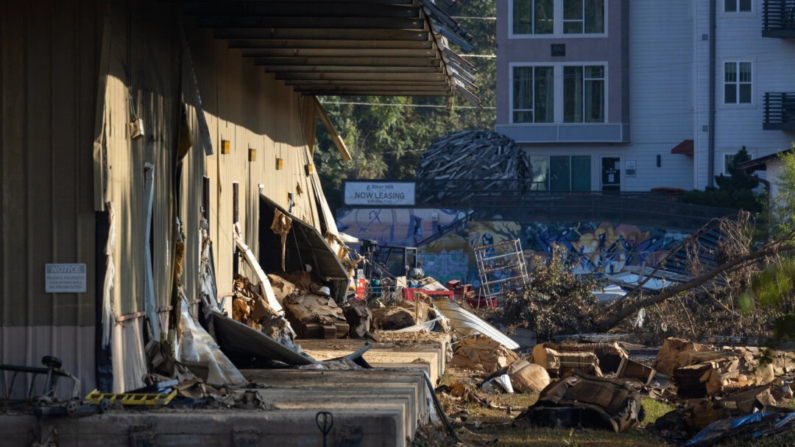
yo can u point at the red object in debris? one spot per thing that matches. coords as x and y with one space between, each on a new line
361 287
408 293
482 301
453 284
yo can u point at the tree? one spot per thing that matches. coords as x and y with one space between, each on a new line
734 190
386 141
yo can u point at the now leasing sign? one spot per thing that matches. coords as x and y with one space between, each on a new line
65 278
379 193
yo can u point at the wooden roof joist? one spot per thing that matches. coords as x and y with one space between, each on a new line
378 93
339 52
346 47
368 87
302 9
254 43
351 61
347 69
373 83
314 33
364 76
347 23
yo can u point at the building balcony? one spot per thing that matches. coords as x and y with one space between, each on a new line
779 111
778 19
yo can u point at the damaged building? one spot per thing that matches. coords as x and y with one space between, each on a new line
152 151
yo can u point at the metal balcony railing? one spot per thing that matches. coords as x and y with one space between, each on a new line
779 111
778 18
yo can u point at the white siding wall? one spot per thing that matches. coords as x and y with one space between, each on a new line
739 37
661 108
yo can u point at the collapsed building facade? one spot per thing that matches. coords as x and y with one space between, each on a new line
134 133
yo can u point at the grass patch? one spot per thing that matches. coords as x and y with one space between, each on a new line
654 410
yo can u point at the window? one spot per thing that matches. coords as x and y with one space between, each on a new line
584 94
727 161
737 5
583 16
533 16
533 97
561 173
737 83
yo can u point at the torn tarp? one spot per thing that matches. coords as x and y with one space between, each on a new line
246 346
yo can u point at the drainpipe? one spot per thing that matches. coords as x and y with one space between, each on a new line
711 125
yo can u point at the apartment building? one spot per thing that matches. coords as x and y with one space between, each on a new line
620 95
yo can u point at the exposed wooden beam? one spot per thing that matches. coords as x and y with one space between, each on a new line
346 156
332 44
377 93
347 23
301 9
339 52
367 86
347 69
401 83
351 61
364 76
310 33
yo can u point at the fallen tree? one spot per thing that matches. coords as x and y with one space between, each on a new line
560 303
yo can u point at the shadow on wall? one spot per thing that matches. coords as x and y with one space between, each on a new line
587 246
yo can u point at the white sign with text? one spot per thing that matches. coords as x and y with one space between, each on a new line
379 193
65 278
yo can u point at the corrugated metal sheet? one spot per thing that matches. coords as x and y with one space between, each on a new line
49 72
47 85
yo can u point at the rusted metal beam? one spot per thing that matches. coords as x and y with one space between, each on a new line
320 33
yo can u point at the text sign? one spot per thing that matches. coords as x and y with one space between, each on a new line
379 193
65 278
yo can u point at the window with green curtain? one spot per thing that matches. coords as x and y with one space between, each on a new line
594 16
581 173
533 16
522 17
572 94
522 94
543 16
544 95
559 170
594 94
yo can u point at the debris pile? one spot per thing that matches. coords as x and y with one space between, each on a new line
464 164
250 308
587 401
481 353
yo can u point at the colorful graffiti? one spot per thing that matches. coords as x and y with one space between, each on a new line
585 246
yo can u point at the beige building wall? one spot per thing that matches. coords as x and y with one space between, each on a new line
52 58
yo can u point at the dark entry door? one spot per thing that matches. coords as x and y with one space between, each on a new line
611 174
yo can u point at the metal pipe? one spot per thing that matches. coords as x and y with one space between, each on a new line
711 125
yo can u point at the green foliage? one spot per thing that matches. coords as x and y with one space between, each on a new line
386 141
557 302
733 191
781 210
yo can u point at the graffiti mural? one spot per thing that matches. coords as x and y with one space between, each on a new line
585 246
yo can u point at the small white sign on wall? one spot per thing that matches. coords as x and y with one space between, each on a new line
65 278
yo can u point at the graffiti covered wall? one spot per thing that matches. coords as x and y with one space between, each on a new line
586 246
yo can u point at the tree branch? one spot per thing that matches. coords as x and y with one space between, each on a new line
617 317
